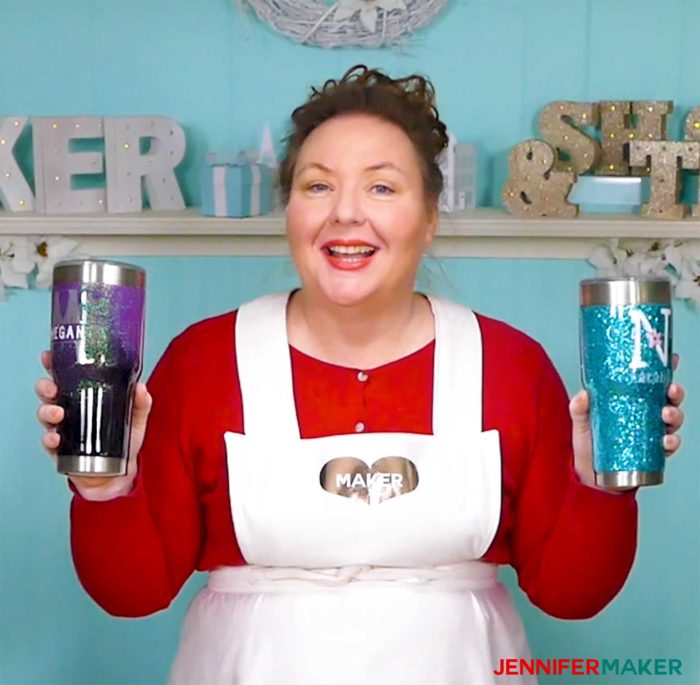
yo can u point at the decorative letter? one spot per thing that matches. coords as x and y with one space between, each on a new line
692 125
126 165
692 132
616 132
657 341
15 193
666 160
532 188
557 130
54 165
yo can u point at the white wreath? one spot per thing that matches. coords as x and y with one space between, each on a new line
364 23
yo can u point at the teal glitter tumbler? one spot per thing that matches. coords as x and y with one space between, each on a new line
625 337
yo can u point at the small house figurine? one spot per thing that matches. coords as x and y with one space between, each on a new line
458 166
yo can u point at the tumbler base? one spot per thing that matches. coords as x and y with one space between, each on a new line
628 479
91 466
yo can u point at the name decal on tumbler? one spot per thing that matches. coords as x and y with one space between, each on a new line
68 324
70 331
656 340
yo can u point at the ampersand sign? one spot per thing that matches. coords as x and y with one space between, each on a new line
533 188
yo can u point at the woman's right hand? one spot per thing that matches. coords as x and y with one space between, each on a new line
98 488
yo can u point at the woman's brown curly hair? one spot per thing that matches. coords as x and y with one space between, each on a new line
407 102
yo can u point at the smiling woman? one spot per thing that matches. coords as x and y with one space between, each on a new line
357 204
351 461
361 182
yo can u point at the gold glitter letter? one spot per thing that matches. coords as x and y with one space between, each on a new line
617 131
556 126
692 132
692 125
533 189
666 160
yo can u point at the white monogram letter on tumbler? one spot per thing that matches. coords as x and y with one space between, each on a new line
626 368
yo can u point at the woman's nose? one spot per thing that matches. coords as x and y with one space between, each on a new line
347 208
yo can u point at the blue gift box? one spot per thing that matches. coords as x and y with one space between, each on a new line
610 194
237 189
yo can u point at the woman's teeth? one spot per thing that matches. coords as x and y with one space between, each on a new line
345 250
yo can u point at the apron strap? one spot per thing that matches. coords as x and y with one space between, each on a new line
265 372
457 378
265 368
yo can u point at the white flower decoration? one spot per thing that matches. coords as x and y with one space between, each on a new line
15 263
688 285
48 251
368 9
671 259
609 259
675 255
22 257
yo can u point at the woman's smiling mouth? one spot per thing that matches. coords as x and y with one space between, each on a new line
348 255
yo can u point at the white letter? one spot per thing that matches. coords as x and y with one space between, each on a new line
397 480
342 480
640 320
15 193
55 164
358 481
126 165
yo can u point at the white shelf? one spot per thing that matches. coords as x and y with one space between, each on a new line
484 232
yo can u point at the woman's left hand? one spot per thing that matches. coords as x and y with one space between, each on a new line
672 416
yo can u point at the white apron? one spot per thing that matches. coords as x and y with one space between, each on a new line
363 548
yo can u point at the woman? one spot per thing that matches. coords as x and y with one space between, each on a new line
351 461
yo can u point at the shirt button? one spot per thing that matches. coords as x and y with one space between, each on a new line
362 376
359 427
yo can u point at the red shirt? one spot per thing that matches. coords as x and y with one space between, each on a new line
571 545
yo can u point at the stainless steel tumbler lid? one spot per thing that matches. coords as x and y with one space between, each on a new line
99 271
631 290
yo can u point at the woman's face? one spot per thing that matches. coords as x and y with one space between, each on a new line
357 218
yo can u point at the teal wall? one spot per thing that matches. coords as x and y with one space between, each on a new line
494 63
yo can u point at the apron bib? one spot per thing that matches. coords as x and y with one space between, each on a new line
362 549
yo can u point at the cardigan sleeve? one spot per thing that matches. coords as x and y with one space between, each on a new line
132 554
573 545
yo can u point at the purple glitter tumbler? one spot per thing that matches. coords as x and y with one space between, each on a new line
97 327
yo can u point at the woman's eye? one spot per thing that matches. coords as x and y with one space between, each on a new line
317 187
381 189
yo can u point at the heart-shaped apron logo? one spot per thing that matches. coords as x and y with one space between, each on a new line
388 477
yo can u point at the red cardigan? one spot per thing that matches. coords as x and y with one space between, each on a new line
571 545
